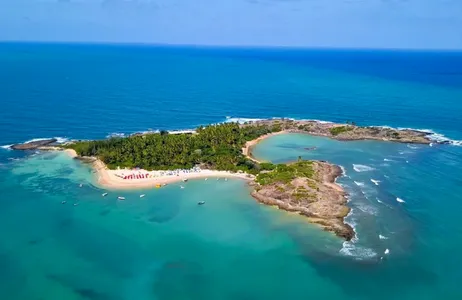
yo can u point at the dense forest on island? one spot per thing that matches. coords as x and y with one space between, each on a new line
214 146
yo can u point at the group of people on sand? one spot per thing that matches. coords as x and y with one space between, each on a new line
142 174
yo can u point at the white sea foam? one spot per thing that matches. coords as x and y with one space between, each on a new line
400 200
430 134
358 183
362 168
382 237
343 170
241 120
59 140
376 182
412 146
6 147
115 134
190 131
367 209
359 252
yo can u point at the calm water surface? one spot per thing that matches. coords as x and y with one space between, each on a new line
165 246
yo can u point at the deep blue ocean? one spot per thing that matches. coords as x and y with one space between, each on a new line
405 198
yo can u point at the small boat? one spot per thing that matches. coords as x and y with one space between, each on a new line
63 202
141 196
158 186
226 179
181 187
80 185
185 179
104 194
164 184
206 178
121 198
201 203
387 251
75 204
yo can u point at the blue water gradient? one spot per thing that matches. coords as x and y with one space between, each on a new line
164 246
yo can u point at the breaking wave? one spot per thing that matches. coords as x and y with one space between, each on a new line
400 200
59 140
358 252
362 168
115 135
376 182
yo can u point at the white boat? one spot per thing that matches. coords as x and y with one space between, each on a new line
104 194
181 187
141 196
75 204
387 251
185 179
121 198
206 178
80 185
226 179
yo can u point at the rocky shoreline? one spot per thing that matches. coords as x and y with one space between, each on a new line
34 145
345 132
318 198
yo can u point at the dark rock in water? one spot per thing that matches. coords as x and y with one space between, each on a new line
86 159
33 145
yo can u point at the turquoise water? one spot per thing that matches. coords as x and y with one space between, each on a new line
165 246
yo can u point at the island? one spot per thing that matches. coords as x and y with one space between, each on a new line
225 150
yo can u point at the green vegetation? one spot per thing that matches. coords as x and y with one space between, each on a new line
286 173
215 147
340 129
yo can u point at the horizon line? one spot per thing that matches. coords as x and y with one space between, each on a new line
230 46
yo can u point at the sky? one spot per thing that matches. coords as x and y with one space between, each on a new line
409 24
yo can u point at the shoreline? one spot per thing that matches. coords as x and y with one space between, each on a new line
333 220
247 150
329 213
111 178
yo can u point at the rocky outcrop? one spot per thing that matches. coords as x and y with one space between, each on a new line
345 132
319 198
33 145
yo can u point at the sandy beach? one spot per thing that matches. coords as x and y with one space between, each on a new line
247 150
113 179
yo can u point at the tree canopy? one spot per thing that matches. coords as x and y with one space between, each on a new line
214 146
